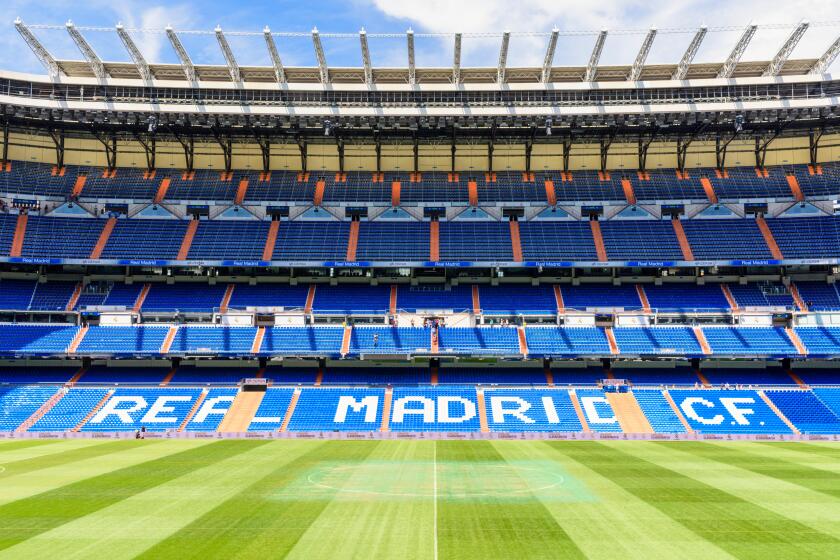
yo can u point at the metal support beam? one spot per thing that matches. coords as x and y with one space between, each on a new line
366 57
720 149
787 48
377 146
737 52
814 137
529 146
491 147
279 70
644 144
5 158
592 66
682 152
412 70
110 144
186 63
188 145
824 63
230 60
452 156
548 62
761 148
605 150
339 144
639 63
38 49
265 150
134 53
87 51
319 54
456 61
416 155
567 152
149 148
302 148
503 53
227 147
58 141
682 68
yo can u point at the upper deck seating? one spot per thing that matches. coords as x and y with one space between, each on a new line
350 299
726 239
807 238
475 241
393 241
145 239
229 239
566 341
479 340
557 241
518 299
640 240
686 297
61 237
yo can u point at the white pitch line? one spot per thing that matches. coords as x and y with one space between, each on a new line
434 491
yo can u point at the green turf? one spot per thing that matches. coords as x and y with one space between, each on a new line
418 499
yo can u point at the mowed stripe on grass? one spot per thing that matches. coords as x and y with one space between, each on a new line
358 499
23 519
493 525
262 521
131 526
740 527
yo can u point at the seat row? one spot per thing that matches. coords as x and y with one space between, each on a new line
29 178
355 299
326 341
491 241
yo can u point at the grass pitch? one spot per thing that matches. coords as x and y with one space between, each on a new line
418 499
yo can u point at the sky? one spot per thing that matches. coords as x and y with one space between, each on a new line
528 20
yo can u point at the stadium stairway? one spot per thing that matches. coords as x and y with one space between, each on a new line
769 239
598 238
195 409
396 187
630 416
271 240
550 193
578 410
141 297
290 411
709 190
793 183
685 246
777 412
797 342
482 410
189 235
515 241
103 238
241 412
677 411
162 188
386 409
93 410
44 409
434 240
20 234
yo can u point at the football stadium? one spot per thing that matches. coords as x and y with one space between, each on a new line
575 309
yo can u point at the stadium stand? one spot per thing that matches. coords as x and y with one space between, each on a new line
434 409
543 410
337 409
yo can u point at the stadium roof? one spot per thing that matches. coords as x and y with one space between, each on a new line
91 66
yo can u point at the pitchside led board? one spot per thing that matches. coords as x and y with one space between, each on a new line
438 409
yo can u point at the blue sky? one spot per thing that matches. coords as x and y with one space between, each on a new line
424 16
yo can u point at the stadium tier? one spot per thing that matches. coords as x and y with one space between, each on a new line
22 340
420 408
357 187
242 243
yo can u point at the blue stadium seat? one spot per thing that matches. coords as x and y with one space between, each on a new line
566 341
333 409
727 412
434 409
70 411
805 411
272 410
17 404
658 412
533 410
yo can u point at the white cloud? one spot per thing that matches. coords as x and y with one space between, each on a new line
477 16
